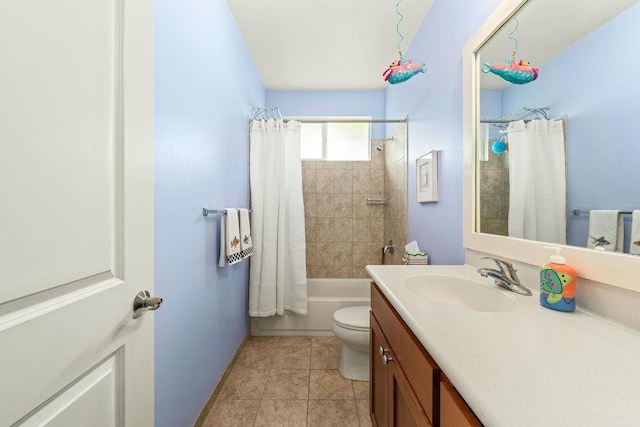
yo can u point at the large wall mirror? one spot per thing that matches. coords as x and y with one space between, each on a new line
587 58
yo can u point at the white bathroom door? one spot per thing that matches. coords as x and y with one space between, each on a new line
76 212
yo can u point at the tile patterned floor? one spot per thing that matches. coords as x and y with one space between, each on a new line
290 381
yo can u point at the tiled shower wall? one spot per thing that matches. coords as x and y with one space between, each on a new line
494 194
395 180
344 234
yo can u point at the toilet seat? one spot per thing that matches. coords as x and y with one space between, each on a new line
353 318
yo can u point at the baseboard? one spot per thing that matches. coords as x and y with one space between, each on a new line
216 391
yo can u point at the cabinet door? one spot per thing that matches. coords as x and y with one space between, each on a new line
379 378
422 372
454 412
405 409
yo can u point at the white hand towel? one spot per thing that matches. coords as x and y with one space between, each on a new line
634 247
222 261
606 230
246 244
229 238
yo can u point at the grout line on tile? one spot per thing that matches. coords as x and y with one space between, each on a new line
308 395
308 400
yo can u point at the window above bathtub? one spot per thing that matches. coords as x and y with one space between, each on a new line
334 138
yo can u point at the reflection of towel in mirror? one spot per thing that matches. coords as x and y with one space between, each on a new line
634 247
229 238
606 230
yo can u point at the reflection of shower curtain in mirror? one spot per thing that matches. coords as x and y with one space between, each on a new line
278 274
538 181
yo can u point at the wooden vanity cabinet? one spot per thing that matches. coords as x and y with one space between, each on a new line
379 377
454 412
406 385
404 378
393 402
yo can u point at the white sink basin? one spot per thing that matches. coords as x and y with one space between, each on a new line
459 293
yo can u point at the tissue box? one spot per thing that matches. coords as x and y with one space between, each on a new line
413 255
420 258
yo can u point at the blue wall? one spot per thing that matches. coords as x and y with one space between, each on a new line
331 103
205 84
595 83
491 108
433 102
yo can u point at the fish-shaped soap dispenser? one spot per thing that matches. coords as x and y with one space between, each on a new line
557 283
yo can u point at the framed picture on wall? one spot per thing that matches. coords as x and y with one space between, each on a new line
427 177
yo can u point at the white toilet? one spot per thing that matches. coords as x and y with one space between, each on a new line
351 325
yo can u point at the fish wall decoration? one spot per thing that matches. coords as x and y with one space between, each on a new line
402 70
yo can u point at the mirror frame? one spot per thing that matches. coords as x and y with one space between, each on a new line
620 270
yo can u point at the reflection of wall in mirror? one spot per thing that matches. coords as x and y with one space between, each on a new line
494 197
493 170
595 83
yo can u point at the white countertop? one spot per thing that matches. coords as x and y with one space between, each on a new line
530 366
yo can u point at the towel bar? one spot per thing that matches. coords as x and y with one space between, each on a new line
206 212
579 212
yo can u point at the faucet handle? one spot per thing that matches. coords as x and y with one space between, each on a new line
502 264
498 263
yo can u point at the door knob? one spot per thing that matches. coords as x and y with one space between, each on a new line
143 302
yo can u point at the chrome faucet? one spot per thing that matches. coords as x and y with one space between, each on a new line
505 276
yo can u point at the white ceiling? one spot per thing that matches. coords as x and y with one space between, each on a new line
326 44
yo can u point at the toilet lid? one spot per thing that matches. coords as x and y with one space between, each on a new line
353 317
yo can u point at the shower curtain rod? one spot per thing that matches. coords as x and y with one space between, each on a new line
274 113
260 113
527 114
301 120
502 121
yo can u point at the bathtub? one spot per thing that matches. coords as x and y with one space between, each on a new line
325 296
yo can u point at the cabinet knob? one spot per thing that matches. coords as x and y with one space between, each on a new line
386 359
381 351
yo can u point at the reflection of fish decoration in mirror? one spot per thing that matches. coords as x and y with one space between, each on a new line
599 241
514 72
402 70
